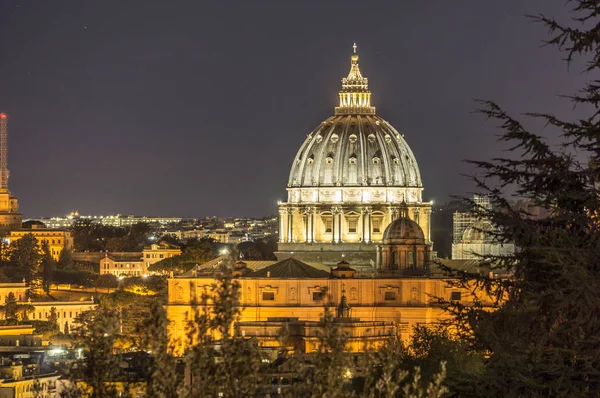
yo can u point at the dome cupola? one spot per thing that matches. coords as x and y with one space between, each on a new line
356 148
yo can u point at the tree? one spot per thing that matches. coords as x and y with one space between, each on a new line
24 254
98 331
327 371
164 381
47 267
544 337
53 317
221 362
10 307
65 259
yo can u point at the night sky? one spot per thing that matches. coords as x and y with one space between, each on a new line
198 108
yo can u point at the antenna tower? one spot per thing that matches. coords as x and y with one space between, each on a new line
3 152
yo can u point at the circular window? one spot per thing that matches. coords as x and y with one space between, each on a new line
334 138
353 138
319 138
371 137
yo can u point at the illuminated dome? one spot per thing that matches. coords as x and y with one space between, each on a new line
349 180
403 230
355 148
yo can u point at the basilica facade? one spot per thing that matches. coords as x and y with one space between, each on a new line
354 238
347 183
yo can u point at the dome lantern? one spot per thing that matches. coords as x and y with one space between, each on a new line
355 97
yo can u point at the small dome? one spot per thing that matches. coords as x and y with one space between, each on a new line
479 232
402 230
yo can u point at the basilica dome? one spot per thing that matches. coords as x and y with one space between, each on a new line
355 147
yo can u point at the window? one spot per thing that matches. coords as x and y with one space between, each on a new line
376 225
455 296
268 296
328 224
410 259
147 255
352 225
389 296
317 296
162 256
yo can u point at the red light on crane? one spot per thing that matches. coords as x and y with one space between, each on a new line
2 115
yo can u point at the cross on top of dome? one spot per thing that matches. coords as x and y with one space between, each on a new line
355 97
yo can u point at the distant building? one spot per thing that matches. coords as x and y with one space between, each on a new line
158 252
10 218
474 237
66 312
21 352
114 220
18 289
57 239
123 264
186 234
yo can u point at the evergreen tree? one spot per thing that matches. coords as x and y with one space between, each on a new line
544 337
10 307
327 371
98 331
164 381
221 362
24 254
53 317
65 259
47 267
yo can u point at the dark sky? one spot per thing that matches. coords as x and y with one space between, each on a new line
194 108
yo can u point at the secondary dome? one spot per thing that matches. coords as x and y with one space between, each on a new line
479 232
403 230
355 147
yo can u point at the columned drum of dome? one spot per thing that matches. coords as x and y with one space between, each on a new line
347 183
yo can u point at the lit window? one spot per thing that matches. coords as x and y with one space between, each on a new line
376 225
328 224
352 225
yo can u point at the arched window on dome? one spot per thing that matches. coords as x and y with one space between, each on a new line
377 178
352 169
410 260
328 169
308 170
397 171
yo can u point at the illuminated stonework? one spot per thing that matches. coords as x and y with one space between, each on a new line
347 183
10 218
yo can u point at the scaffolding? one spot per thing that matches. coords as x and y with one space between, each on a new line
462 221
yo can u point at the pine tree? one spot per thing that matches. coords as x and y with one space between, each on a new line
544 338
221 362
98 331
164 381
47 267
10 307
